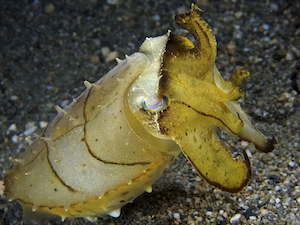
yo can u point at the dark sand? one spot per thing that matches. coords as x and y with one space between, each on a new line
47 51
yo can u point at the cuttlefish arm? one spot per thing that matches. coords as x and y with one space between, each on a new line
201 101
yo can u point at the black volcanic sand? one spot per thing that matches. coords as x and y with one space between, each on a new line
48 49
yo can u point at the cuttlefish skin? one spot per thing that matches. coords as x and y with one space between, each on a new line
115 140
205 101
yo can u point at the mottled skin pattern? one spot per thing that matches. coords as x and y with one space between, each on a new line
107 147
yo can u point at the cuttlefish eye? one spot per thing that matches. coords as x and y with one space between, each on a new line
156 104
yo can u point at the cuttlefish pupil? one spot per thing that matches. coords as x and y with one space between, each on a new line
156 104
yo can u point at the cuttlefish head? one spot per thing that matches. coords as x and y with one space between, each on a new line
193 100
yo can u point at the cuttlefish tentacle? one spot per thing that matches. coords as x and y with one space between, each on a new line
201 101
248 131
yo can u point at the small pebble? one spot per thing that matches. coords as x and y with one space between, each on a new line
29 125
95 58
111 56
289 56
29 131
235 218
253 218
266 26
274 6
197 178
267 39
64 103
277 200
15 138
156 17
220 218
199 219
105 51
176 216
258 111
287 201
248 152
197 200
49 9
244 143
238 14
292 164
209 214
12 127
113 2
14 98
231 48
195 213
43 124
264 211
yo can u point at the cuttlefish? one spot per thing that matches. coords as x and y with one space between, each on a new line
114 141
